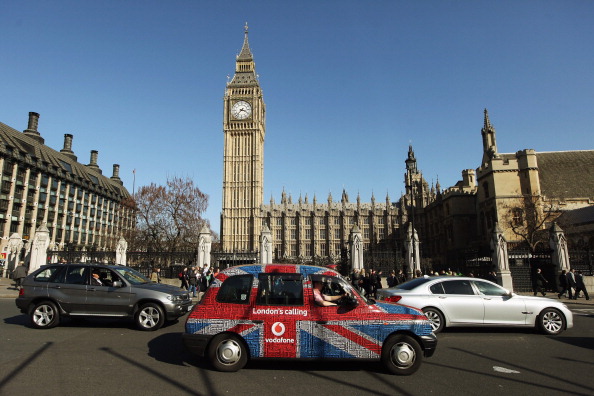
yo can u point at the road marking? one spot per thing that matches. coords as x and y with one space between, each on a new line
505 370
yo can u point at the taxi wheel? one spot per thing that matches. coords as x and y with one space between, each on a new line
45 315
436 319
551 321
226 352
150 317
402 354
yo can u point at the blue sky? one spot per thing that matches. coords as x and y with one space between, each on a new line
348 85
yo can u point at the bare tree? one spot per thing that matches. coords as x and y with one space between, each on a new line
169 217
529 217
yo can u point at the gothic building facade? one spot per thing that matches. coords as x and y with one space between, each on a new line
80 206
516 191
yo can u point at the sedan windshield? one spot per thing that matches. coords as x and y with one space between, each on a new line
132 276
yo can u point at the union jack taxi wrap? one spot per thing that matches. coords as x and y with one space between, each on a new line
295 326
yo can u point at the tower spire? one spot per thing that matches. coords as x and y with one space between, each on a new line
488 132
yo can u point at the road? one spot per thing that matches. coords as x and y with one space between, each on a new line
108 357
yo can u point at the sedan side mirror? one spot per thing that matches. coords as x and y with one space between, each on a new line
117 284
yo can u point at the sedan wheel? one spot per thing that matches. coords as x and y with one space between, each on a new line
150 317
551 321
436 319
402 354
45 315
226 352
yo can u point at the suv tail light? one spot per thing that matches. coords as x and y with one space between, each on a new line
22 291
393 299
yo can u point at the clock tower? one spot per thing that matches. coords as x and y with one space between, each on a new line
244 127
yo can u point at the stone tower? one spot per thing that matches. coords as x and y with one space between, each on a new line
244 127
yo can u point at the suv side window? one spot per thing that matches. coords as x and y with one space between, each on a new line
458 287
280 289
76 275
48 274
235 290
106 276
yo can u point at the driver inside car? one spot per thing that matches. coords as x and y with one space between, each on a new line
322 299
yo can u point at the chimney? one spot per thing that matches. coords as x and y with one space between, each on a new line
67 150
93 165
31 130
116 174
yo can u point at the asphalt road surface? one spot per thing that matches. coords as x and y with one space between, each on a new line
109 357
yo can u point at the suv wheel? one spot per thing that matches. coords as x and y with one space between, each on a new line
226 352
45 315
150 317
402 354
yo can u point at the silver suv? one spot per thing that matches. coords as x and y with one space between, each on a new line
98 290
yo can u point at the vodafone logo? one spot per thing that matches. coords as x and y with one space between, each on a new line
278 329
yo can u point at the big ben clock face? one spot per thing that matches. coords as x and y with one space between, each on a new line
241 110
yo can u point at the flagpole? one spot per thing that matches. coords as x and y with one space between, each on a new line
134 184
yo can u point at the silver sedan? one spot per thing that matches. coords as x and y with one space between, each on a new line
450 301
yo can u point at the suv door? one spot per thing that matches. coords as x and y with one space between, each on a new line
69 288
107 299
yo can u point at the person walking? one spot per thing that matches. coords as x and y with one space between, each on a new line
192 281
563 284
391 280
580 286
156 275
571 282
19 273
539 283
183 277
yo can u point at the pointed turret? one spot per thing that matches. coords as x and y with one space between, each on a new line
488 132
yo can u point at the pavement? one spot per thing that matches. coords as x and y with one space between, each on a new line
8 290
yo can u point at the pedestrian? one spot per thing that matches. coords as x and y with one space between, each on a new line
355 277
400 277
372 283
156 275
192 281
215 272
19 273
563 285
183 277
571 283
378 283
580 285
539 282
391 280
363 282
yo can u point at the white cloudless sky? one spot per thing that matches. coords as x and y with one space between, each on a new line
348 86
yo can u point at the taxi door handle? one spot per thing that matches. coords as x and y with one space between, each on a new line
321 321
257 321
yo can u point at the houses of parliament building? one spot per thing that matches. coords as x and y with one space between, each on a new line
448 221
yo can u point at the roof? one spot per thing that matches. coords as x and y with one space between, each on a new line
32 152
255 269
577 217
566 174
